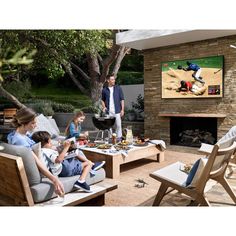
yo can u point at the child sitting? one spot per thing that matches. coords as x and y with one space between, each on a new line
73 128
62 167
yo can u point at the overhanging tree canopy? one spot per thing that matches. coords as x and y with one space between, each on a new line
61 51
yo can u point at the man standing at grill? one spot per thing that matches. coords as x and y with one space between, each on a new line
113 102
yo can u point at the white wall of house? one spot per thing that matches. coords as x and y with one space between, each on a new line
131 93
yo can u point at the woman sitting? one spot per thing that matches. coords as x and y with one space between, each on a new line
24 121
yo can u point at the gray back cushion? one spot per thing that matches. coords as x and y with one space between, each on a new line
31 168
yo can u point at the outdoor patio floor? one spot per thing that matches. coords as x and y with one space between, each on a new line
129 195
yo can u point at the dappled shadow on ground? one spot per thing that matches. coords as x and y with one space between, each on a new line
128 194
135 164
217 196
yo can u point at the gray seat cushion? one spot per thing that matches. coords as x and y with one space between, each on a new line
31 168
45 190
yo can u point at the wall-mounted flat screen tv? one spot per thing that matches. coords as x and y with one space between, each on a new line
193 78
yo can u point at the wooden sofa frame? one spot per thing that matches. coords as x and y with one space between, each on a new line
15 189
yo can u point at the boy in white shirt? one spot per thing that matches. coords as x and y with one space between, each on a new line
62 167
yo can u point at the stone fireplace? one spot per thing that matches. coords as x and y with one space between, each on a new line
192 131
216 115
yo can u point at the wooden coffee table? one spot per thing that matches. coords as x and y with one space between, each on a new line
114 160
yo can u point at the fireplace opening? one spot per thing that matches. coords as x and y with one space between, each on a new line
192 131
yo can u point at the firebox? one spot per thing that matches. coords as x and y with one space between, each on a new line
192 131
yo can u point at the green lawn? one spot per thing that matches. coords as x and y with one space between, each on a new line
61 95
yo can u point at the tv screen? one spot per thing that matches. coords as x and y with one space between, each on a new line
193 78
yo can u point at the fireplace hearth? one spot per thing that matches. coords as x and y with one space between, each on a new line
192 131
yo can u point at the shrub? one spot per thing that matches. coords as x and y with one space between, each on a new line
129 77
95 108
59 107
19 89
90 109
139 105
44 107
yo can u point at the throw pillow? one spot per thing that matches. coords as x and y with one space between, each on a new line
36 148
196 172
43 124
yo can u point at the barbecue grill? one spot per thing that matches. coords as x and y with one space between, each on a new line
104 125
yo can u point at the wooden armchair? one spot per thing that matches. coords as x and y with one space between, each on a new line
206 149
172 176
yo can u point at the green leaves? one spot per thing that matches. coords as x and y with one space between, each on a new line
21 57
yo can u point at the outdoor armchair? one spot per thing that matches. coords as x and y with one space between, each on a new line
175 178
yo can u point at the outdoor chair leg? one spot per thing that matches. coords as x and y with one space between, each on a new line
203 201
227 188
160 194
193 203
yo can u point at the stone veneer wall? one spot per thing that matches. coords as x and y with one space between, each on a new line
158 127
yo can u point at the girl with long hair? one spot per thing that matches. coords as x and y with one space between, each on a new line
73 128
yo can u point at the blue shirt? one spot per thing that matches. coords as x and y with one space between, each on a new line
73 131
117 95
193 67
20 139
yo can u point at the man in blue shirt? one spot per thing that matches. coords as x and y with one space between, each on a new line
113 102
197 71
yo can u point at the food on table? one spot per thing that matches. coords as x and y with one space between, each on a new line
104 146
139 142
121 147
187 168
123 143
91 145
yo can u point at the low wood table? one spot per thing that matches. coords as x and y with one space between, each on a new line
114 160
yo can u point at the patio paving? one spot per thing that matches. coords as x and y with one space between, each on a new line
129 195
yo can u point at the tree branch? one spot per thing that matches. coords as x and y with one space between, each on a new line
108 61
123 51
68 70
66 65
100 59
85 76
10 97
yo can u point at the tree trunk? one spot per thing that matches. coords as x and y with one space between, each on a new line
10 97
123 51
94 74
96 92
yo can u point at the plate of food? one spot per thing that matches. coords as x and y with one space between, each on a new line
91 145
122 147
123 143
140 143
104 146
